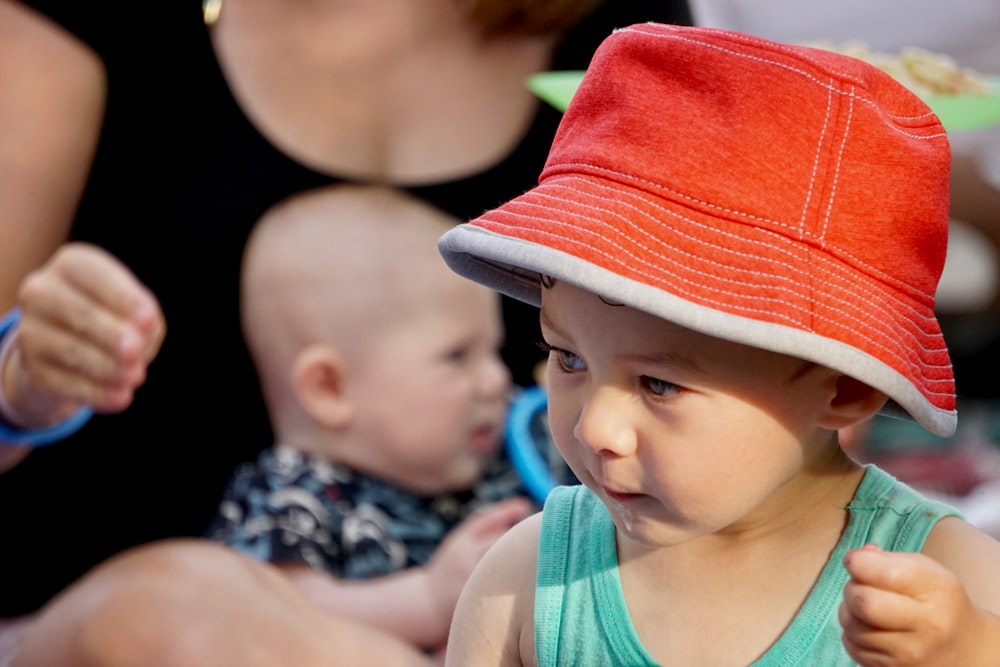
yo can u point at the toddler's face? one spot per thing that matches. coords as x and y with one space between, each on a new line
679 433
432 399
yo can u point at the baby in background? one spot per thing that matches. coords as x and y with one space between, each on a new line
381 374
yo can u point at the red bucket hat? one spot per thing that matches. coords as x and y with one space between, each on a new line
779 196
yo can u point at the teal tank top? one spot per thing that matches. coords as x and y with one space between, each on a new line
580 612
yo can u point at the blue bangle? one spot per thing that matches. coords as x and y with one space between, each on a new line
37 437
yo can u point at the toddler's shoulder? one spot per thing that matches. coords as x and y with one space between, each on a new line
971 554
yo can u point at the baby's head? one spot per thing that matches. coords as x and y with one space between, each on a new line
782 198
369 350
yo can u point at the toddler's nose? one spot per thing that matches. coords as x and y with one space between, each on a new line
604 425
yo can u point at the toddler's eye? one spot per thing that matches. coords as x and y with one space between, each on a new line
567 361
659 387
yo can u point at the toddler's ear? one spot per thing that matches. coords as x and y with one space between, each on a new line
853 403
319 377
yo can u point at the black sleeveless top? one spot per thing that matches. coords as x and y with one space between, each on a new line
179 179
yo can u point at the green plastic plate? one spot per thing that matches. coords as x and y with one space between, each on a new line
968 112
556 88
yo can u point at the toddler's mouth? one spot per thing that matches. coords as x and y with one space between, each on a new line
621 497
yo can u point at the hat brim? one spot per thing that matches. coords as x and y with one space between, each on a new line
707 272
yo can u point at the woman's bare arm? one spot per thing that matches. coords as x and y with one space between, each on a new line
51 112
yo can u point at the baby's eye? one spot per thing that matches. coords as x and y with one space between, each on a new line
659 387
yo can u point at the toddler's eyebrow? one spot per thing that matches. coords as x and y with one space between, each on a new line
673 360
666 358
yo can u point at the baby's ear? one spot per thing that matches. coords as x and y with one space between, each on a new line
319 378
853 403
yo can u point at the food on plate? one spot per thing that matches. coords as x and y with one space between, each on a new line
925 72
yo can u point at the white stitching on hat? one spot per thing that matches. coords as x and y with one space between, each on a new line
616 199
812 176
753 39
836 171
724 210
831 275
893 116
881 111
759 59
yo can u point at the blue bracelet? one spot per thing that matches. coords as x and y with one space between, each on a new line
37 437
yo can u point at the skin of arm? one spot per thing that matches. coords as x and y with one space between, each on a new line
493 622
192 603
401 603
936 608
50 119
417 603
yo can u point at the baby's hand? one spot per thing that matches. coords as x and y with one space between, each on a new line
88 331
904 609
459 553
